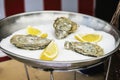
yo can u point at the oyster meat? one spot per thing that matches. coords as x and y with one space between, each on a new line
84 48
63 27
29 42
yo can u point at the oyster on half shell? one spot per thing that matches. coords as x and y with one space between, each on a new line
29 42
63 27
84 48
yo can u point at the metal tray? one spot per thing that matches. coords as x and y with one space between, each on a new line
13 23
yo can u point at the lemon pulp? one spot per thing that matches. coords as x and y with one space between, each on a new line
43 35
50 52
92 37
33 31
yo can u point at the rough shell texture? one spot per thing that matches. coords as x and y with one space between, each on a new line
29 42
85 48
63 27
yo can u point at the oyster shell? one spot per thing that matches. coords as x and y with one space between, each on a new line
63 27
84 48
29 42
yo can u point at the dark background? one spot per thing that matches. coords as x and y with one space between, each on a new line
105 9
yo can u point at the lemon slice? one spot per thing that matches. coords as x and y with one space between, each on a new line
33 31
43 35
50 52
91 37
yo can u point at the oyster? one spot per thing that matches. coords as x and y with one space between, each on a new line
29 42
63 27
84 48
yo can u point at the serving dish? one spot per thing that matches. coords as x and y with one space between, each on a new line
20 21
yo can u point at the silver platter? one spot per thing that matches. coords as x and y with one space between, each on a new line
8 26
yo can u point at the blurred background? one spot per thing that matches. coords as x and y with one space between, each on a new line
103 9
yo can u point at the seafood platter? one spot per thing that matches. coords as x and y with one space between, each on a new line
58 40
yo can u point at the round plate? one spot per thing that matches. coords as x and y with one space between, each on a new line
17 22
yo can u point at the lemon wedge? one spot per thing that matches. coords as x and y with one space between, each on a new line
50 52
43 35
91 37
33 31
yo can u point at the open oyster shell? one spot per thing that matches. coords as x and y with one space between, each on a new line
29 42
84 48
63 27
